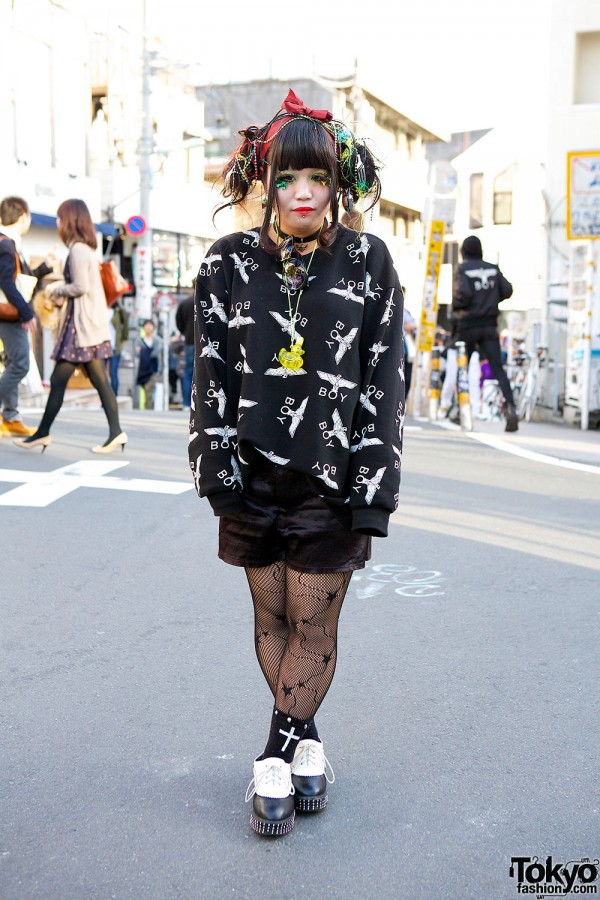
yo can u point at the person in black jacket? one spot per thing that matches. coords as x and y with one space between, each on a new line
15 222
479 287
184 319
296 419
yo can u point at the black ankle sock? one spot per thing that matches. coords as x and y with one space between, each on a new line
311 733
286 732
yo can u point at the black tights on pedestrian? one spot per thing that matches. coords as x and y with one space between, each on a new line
296 619
96 372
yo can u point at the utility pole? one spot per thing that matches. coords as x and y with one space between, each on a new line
144 269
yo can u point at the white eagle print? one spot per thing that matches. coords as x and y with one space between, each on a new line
211 352
238 319
372 484
347 293
272 457
217 308
364 442
296 415
285 324
209 260
224 433
336 382
338 431
282 372
241 265
344 343
245 367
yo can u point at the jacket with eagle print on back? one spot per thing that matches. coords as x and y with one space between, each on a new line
338 419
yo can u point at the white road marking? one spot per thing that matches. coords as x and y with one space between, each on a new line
42 488
499 444
508 447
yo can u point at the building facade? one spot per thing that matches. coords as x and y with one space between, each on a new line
572 300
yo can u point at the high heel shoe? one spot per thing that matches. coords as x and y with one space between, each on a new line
119 441
29 444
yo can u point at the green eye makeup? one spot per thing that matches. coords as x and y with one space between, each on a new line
282 181
323 179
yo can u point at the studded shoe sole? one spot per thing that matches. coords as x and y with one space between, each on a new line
271 829
310 804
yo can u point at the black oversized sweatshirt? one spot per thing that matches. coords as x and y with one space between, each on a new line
338 419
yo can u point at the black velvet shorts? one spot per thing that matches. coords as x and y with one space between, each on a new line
286 519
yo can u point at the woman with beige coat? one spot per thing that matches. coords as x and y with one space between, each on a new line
84 337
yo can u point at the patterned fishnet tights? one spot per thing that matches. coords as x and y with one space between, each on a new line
296 619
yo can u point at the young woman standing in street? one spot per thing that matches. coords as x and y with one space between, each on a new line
84 336
296 419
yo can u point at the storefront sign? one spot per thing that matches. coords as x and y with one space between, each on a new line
583 195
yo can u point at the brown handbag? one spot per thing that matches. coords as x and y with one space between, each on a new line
112 281
25 285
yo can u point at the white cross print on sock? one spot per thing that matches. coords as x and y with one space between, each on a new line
289 735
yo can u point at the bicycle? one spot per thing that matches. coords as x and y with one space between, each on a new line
531 389
517 372
492 401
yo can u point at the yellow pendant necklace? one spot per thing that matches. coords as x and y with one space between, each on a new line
296 274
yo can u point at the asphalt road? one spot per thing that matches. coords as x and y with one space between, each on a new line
462 723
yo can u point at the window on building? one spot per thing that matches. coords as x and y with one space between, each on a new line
33 132
476 200
586 87
176 259
503 188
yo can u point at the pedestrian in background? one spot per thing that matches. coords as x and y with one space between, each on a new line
84 338
149 349
15 223
296 420
409 333
184 319
176 348
479 287
118 325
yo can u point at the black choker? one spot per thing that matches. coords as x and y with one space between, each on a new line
297 240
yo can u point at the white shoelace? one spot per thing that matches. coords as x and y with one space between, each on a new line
312 756
273 777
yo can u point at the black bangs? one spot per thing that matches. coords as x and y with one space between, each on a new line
303 145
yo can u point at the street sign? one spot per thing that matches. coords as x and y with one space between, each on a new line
583 195
143 281
435 253
135 226
165 301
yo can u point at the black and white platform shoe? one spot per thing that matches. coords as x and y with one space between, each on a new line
272 795
311 772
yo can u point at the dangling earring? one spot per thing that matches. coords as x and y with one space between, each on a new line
347 201
263 202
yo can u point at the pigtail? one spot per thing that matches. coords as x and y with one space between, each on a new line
357 168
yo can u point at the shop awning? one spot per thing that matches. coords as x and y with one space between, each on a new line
42 221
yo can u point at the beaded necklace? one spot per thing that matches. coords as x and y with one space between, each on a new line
292 271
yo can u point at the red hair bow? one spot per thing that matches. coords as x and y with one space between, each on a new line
291 106
295 106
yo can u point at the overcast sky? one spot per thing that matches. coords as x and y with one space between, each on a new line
453 64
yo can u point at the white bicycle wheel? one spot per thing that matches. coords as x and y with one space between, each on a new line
527 399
